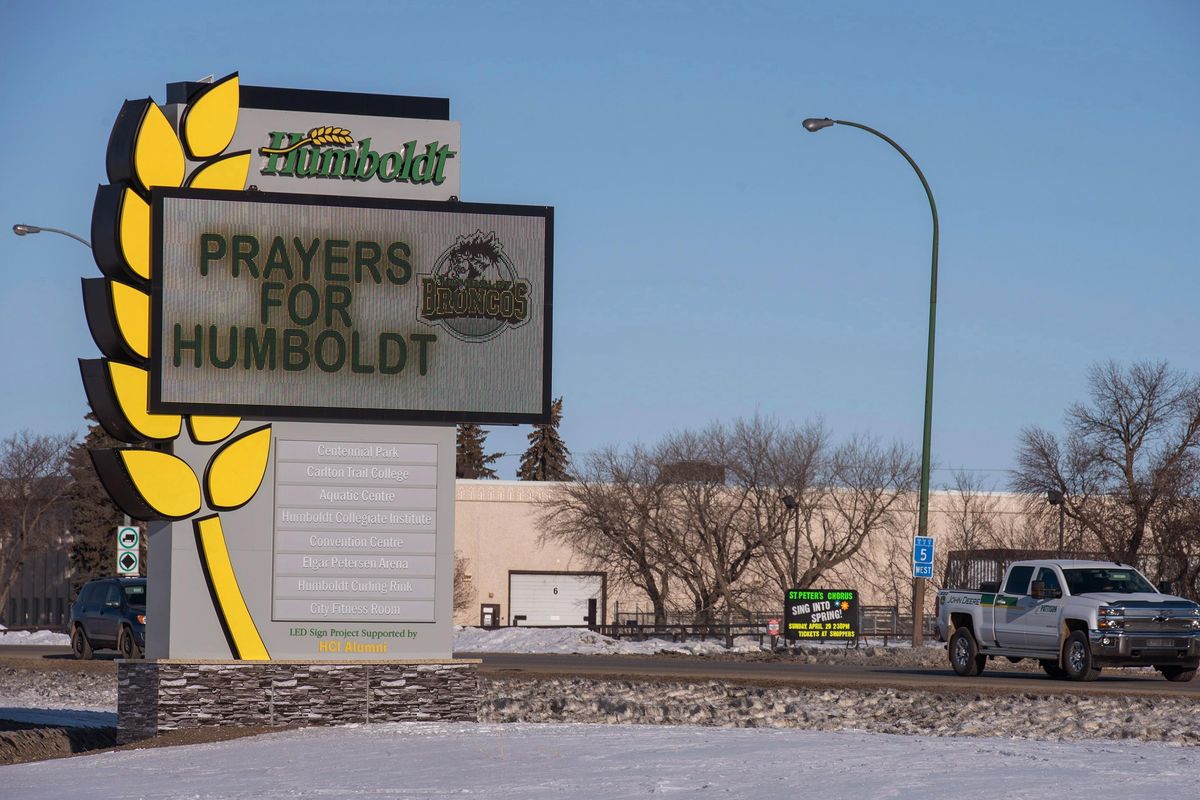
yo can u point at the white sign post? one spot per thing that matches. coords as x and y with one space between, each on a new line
128 539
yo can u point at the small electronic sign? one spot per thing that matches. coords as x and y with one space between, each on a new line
820 614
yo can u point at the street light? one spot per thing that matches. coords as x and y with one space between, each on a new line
813 125
1055 498
26 230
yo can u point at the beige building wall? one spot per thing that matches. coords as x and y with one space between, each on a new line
496 529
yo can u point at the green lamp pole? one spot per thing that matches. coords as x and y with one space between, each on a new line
814 125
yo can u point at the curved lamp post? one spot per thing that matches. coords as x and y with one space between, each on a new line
813 125
25 230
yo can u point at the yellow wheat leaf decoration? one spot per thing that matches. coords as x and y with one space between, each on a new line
164 482
134 232
227 172
157 154
209 430
210 120
236 471
131 308
131 386
245 642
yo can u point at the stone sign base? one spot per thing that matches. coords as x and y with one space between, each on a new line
157 696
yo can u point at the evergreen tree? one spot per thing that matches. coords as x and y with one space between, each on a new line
547 458
94 517
470 461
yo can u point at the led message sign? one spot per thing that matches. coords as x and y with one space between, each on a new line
821 614
305 307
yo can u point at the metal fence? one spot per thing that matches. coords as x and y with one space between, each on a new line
877 624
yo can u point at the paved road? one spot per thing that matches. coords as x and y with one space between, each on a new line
997 680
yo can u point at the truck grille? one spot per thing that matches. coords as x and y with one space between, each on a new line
1140 621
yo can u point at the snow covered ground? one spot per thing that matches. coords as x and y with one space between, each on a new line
523 640
534 762
581 640
34 637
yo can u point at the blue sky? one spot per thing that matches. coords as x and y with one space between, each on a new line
712 258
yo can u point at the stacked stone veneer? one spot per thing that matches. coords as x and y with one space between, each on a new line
157 696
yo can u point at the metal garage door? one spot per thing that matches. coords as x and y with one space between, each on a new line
555 598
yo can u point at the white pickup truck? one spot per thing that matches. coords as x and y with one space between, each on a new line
1074 617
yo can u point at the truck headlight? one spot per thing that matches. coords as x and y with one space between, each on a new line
1111 619
141 619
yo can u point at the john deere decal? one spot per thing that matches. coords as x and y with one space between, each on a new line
474 291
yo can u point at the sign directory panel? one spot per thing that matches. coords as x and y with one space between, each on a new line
821 614
345 552
355 531
308 307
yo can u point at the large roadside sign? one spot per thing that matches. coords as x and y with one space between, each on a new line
819 614
283 269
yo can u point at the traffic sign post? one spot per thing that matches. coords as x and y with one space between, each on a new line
922 558
128 539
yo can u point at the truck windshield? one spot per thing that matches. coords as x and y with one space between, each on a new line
135 594
1103 579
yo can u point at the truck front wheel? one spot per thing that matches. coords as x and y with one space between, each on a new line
964 654
1077 658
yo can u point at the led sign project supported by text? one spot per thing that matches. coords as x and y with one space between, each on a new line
301 307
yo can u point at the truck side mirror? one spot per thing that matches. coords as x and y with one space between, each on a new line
1166 587
1038 590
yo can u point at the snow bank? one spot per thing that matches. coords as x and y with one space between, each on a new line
33 637
537 762
582 641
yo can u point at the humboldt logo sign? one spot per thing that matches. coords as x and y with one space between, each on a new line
322 152
301 141
474 291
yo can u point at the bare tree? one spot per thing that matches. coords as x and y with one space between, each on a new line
786 474
701 528
708 520
870 499
609 515
1175 534
1125 457
464 586
33 482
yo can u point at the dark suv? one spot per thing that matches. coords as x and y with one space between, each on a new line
110 613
